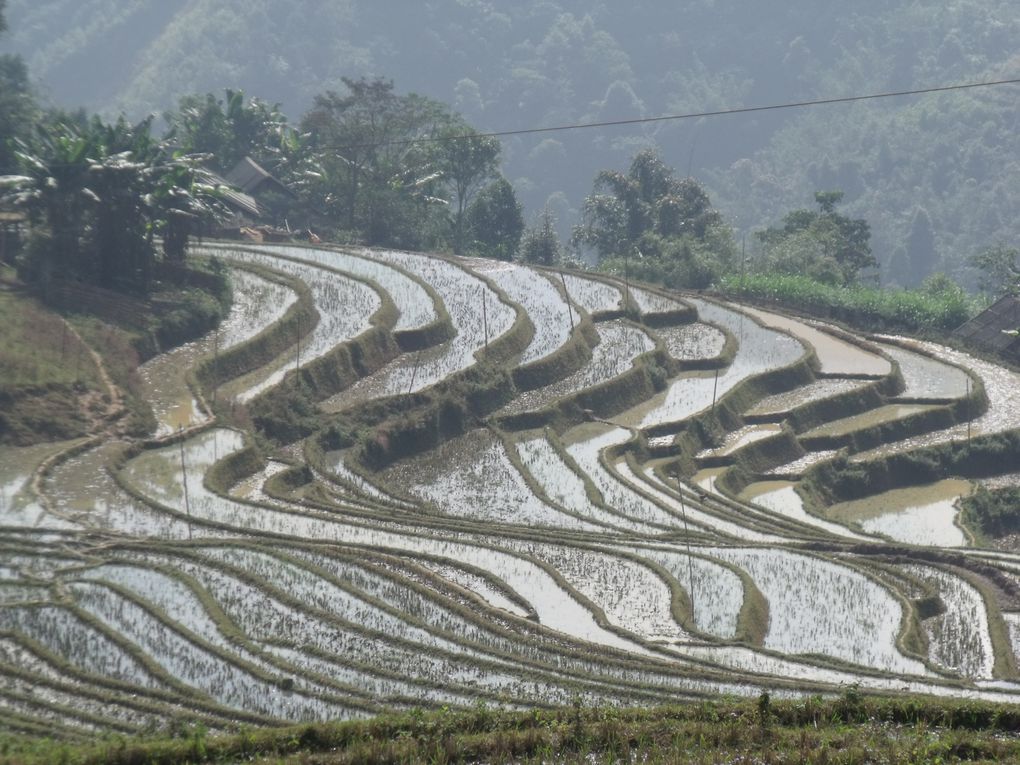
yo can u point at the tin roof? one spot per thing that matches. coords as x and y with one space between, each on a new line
992 328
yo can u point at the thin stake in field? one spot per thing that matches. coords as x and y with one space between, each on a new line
216 362
184 479
715 389
968 399
297 365
414 372
687 536
566 294
485 317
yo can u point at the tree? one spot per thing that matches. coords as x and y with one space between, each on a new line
1000 270
17 106
496 221
366 165
231 130
821 243
540 244
920 247
649 198
96 195
467 160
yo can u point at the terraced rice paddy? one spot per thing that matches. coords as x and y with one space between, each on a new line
630 532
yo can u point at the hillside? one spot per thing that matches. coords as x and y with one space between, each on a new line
392 481
541 63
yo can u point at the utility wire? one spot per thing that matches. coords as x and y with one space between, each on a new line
676 117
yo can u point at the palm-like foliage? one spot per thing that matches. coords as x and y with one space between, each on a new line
96 195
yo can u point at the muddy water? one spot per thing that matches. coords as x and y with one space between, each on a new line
836 357
738 439
18 506
869 419
781 497
256 305
782 403
920 515
1002 387
926 378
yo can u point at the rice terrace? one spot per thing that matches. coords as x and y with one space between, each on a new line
504 487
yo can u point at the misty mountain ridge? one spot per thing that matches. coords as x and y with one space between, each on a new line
948 162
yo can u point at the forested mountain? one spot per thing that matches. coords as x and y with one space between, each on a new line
937 177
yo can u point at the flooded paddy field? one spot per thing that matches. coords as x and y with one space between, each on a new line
222 579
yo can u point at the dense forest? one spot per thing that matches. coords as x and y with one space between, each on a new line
936 177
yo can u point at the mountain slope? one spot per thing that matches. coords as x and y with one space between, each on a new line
545 62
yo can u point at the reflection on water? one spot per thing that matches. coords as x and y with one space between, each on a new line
920 515
781 497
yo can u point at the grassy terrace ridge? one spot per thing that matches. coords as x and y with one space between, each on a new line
849 728
913 311
329 580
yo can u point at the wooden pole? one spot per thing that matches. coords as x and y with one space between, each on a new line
715 389
184 479
216 362
485 317
566 295
298 364
687 536
414 372
969 418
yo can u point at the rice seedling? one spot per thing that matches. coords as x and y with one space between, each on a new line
817 606
958 638
345 307
566 487
780 404
592 295
548 311
736 440
1001 386
472 476
649 302
620 344
479 317
692 342
715 591
521 570
760 350
416 306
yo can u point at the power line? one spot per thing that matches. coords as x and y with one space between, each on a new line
677 117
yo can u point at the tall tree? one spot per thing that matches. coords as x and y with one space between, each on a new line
17 106
540 244
467 161
1000 270
921 257
367 165
648 199
820 243
496 221
231 129
96 194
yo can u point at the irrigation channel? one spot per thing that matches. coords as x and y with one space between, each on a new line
508 486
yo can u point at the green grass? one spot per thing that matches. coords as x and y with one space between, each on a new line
848 729
36 349
902 310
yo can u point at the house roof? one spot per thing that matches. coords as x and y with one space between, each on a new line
236 200
990 329
249 176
